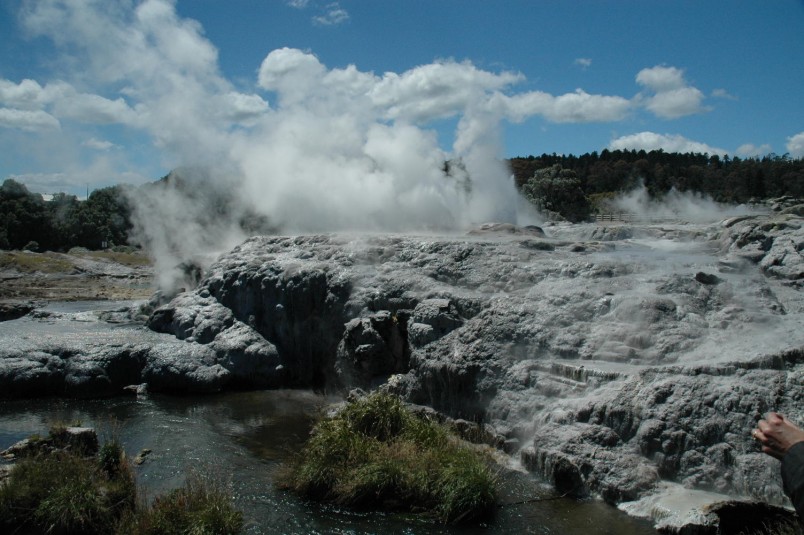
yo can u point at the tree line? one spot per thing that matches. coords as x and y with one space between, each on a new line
570 185
28 221
562 185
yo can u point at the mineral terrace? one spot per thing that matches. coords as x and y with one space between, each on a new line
623 361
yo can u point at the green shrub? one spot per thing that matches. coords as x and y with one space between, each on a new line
377 454
200 507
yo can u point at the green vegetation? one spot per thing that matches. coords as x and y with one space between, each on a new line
67 493
26 262
377 454
558 190
198 508
27 220
725 179
127 256
63 492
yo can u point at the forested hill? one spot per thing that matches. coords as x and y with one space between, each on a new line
725 179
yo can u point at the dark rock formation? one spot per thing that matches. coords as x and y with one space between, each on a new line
14 309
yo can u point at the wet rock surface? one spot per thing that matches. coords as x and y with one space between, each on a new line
609 359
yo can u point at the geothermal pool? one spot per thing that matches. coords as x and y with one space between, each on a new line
243 437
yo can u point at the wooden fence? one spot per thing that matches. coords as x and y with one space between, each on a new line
627 217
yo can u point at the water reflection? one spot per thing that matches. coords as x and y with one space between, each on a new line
243 437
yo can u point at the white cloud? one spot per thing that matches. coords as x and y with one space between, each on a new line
795 145
98 144
241 108
94 109
30 120
583 63
676 103
577 107
298 4
291 73
722 93
61 100
672 97
76 181
751 150
649 141
27 95
333 15
436 90
660 78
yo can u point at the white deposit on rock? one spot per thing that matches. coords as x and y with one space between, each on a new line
610 359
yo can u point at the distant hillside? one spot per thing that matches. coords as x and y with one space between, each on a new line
730 180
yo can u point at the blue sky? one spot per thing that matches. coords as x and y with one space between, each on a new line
96 92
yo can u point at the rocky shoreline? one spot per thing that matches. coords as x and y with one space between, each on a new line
612 360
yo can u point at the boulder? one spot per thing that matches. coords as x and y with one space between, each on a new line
12 310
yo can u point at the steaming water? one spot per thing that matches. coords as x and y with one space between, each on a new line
243 437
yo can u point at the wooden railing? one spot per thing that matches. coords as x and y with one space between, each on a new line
627 217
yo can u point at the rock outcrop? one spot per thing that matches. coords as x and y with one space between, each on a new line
609 359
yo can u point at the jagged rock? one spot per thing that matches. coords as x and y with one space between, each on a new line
373 347
677 510
432 319
15 309
707 278
83 440
23 448
506 228
140 390
776 244
141 456
80 440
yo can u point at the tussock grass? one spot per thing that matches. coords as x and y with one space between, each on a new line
200 507
65 492
375 454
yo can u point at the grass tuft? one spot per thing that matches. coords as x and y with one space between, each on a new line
376 454
62 493
200 507
65 492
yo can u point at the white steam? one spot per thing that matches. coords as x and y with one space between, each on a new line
307 148
679 206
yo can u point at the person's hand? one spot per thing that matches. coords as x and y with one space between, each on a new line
777 434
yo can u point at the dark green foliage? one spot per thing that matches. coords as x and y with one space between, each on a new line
63 222
376 454
725 179
555 189
23 216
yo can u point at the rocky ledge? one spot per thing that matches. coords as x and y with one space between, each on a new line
612 360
